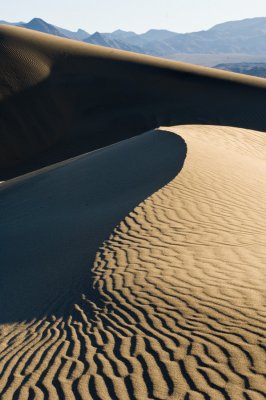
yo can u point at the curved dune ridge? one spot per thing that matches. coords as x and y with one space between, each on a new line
54 220
132 266
175 307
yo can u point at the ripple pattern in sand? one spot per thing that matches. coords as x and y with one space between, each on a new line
178 307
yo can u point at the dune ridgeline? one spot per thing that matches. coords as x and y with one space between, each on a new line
132 225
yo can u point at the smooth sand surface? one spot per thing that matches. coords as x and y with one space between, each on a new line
135 271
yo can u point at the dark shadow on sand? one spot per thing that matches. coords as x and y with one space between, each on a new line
53 222
89 102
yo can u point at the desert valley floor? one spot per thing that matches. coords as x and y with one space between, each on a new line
132 226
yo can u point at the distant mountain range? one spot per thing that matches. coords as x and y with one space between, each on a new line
229 42
254 69
38 24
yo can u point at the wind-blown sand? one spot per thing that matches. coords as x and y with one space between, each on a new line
106 293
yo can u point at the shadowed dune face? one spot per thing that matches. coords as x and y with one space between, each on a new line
63 98
83 200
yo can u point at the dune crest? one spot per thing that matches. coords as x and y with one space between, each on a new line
54 220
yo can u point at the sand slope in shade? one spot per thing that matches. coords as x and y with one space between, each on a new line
60 98
54 220
175 306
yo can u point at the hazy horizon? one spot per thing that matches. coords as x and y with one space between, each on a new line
174 15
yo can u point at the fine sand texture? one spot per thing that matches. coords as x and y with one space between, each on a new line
132 265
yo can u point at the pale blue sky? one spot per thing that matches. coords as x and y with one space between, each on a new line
136 15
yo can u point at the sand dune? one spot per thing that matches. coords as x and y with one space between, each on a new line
61 98
137 270
173 306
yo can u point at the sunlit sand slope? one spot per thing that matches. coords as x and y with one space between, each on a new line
173 306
